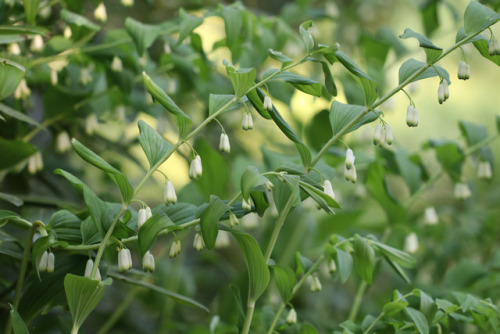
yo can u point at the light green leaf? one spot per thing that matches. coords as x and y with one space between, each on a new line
474 134
143 35
329 82
482 45
209 218
325 201
303 84
308 329
22 30
258 272
175 296
397 269
243 79
11 74
364 259
276 55
344 264
432 51
18 324
402 258
394 307
419 319
411 66
11 199
285 281
256 98
306 35
14 151
341 114
302 264
217 101
39 247
17 115
31 9
478 17
368 85
451 157
187 25
427 305
285 190
182 120
148 233
83 295
233 23
115 175
250 179
153 144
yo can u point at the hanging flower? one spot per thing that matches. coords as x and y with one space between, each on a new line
169 195
67 32
463 70
493 47
22 91
175 249
51 261
148 262
53 77
141 217
389 138
233 220
246 205
268 104
100 13
127 3
224 145
328 189
484 170
443 91
349 159
462 191
91 124
63 142
247 122
350 174
195 169
116 64
35 163
36 43
377 136
332 266
430 216
315 284
291 318
412 116
198 243
42 265
88 270
411 243
222 240
14 49
269 185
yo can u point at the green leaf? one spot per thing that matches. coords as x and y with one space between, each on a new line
11 199
17 321
432 51
6 215
401 273
306 35
325 201
143 35
115 175
410 171
478 17
243 79
256 98
329 82
187 25
341 114
217 101
233 24
81 27
368 85
344 264
364 259
148 233
209 218
250 179
450 156
17 115
308 329
258 272
66 226
39 247
402 258
427 305
411 66
303 84
394 307
14 151
474 134
182 120
83 295
175 296
419 319
482 45
153 144
285 190
31 9
285 281
430 18
11 74
276 55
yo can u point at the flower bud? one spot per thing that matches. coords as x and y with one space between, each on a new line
484 170
116 64
233 220
446 89
412 116
269 185
195 169
67 32
494 47
411 243
268 104
461 191
378 134
332 266
91 124
124 260
350 174
100 13
88 270
441 98
42 266
224 145
198 243
169 195
247 122
246 205
35 163
51 260
315 284
291 318
85 76
127 3
430 216
389 138
149 214
63 143
148 262
53 77
22 91
222 240
14 49
328 189
463 70
349 159
141 217
175 249
36 43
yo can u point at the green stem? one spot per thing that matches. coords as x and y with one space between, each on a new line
377 103
380 316
248 316
277 228
357 301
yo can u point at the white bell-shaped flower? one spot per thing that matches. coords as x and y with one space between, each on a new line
224 145
198 243
328 189
175 248
100 13
431 216
63 142
411 243
291 318
349 159
36 43
169 195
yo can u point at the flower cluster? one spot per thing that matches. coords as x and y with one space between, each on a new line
383 135
412 116
349 168
148 262
47 262
443 91
463 70
247 121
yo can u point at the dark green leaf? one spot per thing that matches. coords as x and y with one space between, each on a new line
286 190
308 329
430 18
143 35
209 218
17 322
482 45
153 144
183 121
306 35
83 295
81 27
397 269
478 17
395 307
344 264
257 100
325 201
14 151
11 74
329 82
410 172
11 199
39 247
66 226
31 9
250 179
364 259
258 272
432 51
233 24
419 319
285 60
411 66
450 156
341 114
303 84
187 25
17 115
285 281
398 256
427 305
148 233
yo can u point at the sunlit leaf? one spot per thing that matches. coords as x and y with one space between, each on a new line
143 35
411 66
187 24
305 33
342 114
432 51
243 79
153 144
478 17
276 55
209 218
